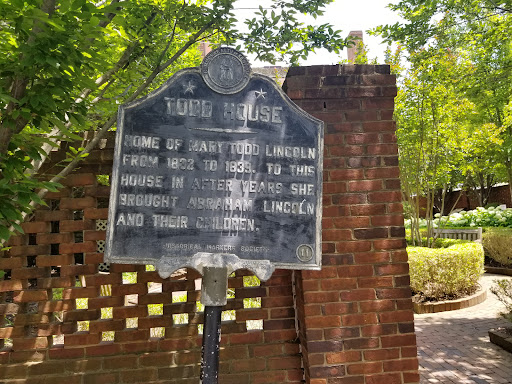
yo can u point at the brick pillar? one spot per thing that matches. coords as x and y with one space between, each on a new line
355 315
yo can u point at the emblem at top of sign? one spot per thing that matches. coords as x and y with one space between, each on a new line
226 71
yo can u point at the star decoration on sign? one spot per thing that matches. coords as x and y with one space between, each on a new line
189 87
260 93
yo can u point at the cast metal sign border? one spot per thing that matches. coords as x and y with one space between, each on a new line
262 268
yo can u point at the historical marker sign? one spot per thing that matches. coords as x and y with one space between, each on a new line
218 163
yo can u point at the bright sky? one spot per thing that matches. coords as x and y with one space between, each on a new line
347 15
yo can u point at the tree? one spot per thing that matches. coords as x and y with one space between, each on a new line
477 32
427 21
66 66
432 125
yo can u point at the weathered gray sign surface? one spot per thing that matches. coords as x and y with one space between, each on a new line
217 166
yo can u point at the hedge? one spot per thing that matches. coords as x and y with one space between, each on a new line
440 272
497 244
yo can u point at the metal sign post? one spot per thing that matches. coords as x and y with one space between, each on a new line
213 297
217 170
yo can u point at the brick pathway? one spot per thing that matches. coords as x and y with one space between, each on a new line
454 347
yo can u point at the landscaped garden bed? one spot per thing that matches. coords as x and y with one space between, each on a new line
445 277
450 305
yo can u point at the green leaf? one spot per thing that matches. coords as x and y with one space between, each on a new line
4 233
18 228
9 213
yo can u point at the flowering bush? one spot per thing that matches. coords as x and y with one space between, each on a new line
480 217
422 223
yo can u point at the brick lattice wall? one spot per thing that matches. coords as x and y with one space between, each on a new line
64 320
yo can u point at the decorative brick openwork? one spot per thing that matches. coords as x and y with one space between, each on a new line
68 318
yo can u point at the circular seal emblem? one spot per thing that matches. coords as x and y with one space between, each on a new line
225 70
305 253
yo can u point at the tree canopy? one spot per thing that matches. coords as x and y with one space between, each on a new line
65 66
455 97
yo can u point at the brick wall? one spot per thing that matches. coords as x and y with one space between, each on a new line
64 320
499 195
355 315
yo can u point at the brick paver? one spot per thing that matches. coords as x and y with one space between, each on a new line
454 347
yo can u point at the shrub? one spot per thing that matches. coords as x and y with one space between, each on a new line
498 245
440 242
503 290
479 217
440 272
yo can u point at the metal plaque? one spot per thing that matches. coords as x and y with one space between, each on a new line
217 168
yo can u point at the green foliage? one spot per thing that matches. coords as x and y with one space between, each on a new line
441 272
441 242
497 243
453 115
251 281
503 290
129 277
426 21
17 186
479 217
432 125
155 309
103 180
493 216
277 34
66 66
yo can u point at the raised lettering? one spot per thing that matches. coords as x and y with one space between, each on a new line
170 221
212 184
276 115
142 161
130 219
226 224
280 151
289 207
220 204
148 142
147 200
302 170
268 187
137 180
173 144
188 107
302 189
